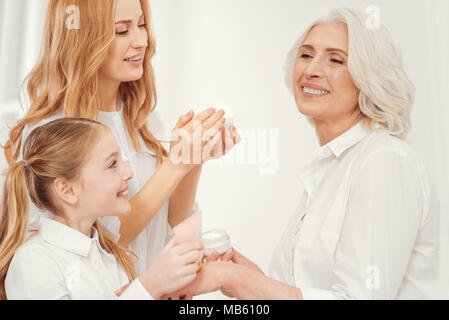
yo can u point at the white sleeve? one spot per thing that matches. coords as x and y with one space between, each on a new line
136 291
33 275
379 231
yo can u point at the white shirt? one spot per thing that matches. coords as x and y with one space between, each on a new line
369 227
150 242
61 263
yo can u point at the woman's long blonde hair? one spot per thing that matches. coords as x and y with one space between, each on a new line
50 151
66 75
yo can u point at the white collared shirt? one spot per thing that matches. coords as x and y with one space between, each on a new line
150 242
61 263
366 226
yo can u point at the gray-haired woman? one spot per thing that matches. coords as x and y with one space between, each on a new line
367 223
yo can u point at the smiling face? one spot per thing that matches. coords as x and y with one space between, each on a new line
104 180
124 61
322 84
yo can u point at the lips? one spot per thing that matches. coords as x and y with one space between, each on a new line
313 90
134 58
123 193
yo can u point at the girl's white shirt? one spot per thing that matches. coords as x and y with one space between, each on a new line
366 226
61 263
150 242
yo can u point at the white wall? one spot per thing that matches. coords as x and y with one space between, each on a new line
233 51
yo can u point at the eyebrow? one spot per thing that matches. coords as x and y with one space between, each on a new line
116 153
308 46
129 21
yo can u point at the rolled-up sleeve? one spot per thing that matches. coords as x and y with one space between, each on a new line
379 231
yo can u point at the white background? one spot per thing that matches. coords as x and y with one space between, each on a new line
233 52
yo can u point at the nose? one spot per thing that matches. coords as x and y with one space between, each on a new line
314 69
127 173
140 39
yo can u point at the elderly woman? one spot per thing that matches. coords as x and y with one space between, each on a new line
367 223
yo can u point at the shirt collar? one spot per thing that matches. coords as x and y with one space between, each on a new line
67 238
348 139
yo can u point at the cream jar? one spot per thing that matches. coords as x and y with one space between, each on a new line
216 240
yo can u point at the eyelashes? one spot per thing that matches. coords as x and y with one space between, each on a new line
113 164
308 56
121 33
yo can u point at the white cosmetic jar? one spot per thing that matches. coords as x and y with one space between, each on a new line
216 240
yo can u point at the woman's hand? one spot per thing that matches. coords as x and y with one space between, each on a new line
229 138
194 138
235 257
174 268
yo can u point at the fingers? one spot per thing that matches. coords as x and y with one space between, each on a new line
184 120
192 257
213 257
204 115
213 119
228 255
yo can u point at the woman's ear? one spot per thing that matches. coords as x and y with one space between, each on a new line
65 191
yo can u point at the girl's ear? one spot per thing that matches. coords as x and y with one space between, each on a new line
65 191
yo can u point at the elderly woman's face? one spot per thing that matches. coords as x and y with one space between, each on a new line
322 85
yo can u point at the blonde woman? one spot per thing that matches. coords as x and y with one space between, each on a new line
367 223
101 69
70 256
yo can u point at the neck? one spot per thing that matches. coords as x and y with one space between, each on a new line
83 225
109 97
328 130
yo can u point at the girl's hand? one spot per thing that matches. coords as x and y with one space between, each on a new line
236 257
195 137
207 280
174 268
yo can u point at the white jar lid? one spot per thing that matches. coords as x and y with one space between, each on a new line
216 240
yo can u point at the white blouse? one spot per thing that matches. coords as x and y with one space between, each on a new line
366 226
150 242
61 263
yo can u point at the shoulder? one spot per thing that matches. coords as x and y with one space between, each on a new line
33 253
384 151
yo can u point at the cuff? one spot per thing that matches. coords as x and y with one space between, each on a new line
136 291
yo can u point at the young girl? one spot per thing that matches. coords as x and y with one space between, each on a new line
96 63
70 256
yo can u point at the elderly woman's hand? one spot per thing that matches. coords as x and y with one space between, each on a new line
236 257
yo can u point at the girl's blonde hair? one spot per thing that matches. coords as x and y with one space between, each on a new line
375 64
66 75
50 151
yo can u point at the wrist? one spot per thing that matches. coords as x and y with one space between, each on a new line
178 169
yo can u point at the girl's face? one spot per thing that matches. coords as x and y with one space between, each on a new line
322 84
103 187
124 61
